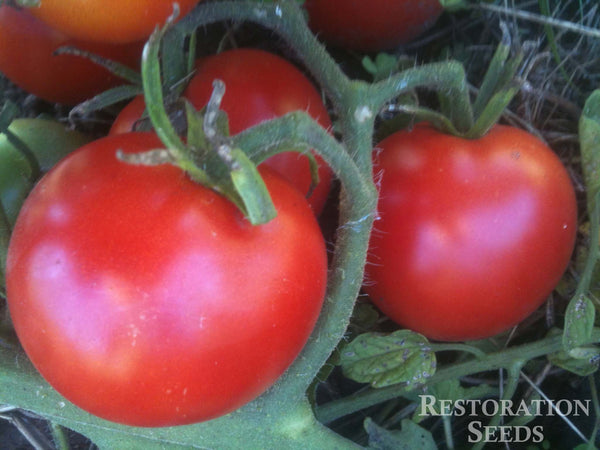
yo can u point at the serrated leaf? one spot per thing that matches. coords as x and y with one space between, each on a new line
383 360
411 437
579 322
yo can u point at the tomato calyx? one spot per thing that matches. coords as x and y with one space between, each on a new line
199 142
207 155
461 117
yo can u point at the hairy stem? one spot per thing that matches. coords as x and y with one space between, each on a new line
493 361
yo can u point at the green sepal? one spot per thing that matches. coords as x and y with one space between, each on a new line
250 186
175 61
153 93
498 87
105 99
494 108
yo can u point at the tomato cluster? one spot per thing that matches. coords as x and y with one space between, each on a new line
149 299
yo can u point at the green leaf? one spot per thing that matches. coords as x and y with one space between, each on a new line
579 322
589 137
581 361
411 437
455 5
382 66
383 360
585 446
364 317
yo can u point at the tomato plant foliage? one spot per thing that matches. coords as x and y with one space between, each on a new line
155 294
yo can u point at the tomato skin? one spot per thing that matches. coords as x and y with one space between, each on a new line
473 235
259 86
371 26
49 142
26 58
114 21
149 300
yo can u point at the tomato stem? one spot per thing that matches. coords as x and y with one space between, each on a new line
589 132
507 392
121 70
333 410
224 168
357 210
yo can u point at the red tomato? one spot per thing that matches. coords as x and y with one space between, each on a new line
147 299
116 21
27 58
259 86
371 25
473 234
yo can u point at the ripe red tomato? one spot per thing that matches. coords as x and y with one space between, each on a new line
473 234
27 58
259 86
147 299
371 25
116 21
